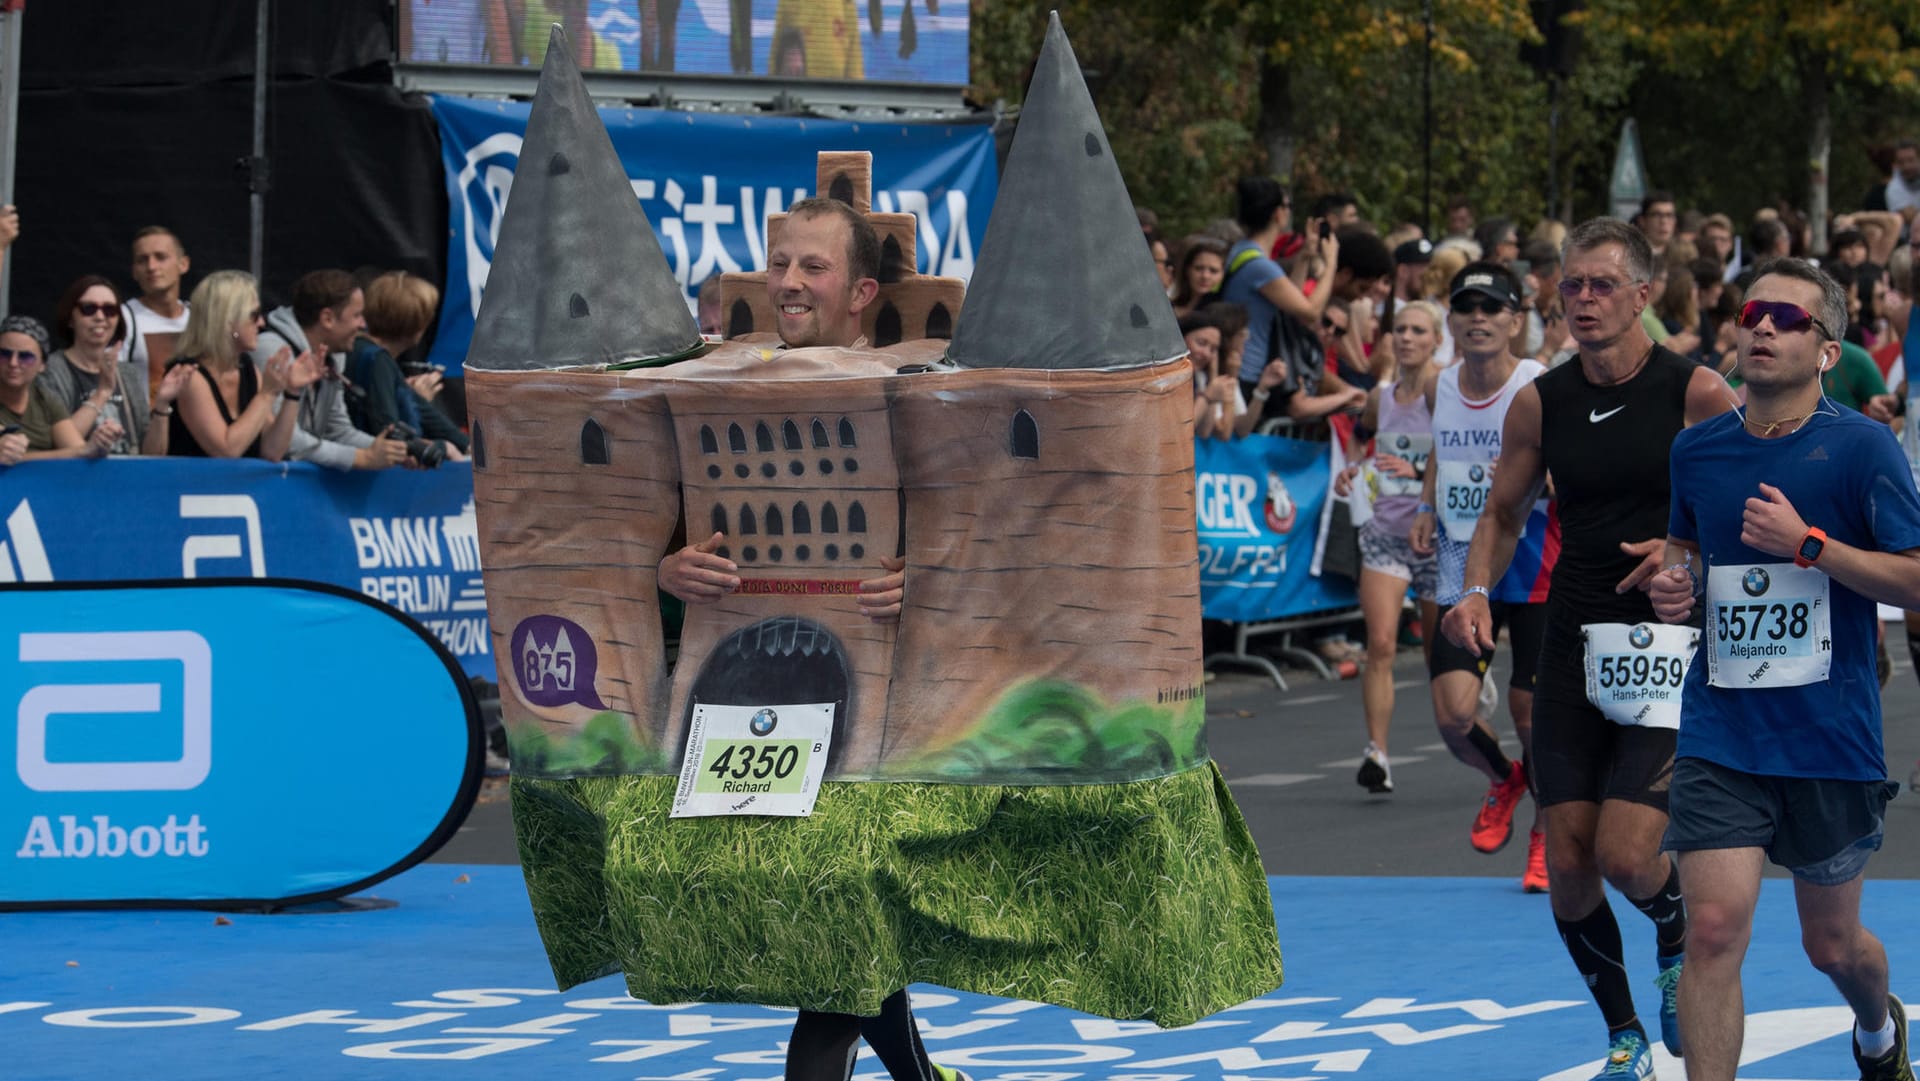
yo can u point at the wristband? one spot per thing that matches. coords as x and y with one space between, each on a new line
290 395
159 412
1261 394
1482 590
1424 508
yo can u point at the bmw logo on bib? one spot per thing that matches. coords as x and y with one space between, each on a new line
763 722
1641 636
1755 581
1477 474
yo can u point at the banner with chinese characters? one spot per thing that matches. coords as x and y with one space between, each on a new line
708 182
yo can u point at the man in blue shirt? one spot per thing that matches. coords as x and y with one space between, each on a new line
1259 285
1790 520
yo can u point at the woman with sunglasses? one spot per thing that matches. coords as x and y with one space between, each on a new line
1398 415
226 410
90 379
33 423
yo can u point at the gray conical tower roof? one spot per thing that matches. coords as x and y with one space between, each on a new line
578 277
1064 279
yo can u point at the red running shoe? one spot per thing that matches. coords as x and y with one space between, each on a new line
1535 880
1493 826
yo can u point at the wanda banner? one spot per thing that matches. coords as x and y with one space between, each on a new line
882 41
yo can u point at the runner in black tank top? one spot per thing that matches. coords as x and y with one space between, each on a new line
1602 427
1606 449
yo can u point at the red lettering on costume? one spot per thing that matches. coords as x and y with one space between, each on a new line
809 587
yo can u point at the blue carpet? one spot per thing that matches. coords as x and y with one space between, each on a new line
1424 978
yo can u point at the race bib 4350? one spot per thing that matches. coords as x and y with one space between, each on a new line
754 760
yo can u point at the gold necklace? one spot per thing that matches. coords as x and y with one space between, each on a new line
1771 425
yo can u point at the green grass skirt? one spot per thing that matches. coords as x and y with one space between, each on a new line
1137 900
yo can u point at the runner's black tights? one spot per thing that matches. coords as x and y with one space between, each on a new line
822 1045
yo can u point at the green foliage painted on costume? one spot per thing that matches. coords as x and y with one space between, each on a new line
1046 731
1040 732
1138 900
606 744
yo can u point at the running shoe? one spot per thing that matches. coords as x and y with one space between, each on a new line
1892 1066
1535 880
1669 984
1375 775
1493 826
948 1073
1629 1059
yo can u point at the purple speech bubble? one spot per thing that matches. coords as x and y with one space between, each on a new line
554 662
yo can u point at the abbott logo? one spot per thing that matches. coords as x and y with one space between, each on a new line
221 545
50 700
23 558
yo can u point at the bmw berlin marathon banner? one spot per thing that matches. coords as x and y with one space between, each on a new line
405 537
707 183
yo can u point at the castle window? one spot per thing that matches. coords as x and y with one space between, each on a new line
856 518
478 448
708 444
790 434
719 518
846 433
886 325
774 527
802 521
1025 438
736 439
763 437
829 519
746 522
593 443
819 433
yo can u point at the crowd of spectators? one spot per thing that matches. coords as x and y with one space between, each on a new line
1296 318
213 374
1291 316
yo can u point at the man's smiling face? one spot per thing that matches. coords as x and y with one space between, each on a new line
809 282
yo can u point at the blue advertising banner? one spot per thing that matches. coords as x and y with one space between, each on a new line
708 182
173 740
1259 500
885 41
403 536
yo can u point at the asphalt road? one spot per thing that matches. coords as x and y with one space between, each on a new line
1290 760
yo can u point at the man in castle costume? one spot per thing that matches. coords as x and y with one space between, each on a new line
936 715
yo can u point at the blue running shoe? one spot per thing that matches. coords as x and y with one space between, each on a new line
1669 984
1629 1059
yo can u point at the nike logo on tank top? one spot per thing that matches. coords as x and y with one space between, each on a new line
1606 449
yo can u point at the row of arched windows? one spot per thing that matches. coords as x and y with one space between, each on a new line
800 519
763 436
595 446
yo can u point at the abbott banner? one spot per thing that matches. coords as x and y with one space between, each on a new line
1259 501
223 743
403 536
708 182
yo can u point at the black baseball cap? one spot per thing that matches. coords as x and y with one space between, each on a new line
1487 279
1413 251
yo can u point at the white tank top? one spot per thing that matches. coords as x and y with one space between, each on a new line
1466 436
